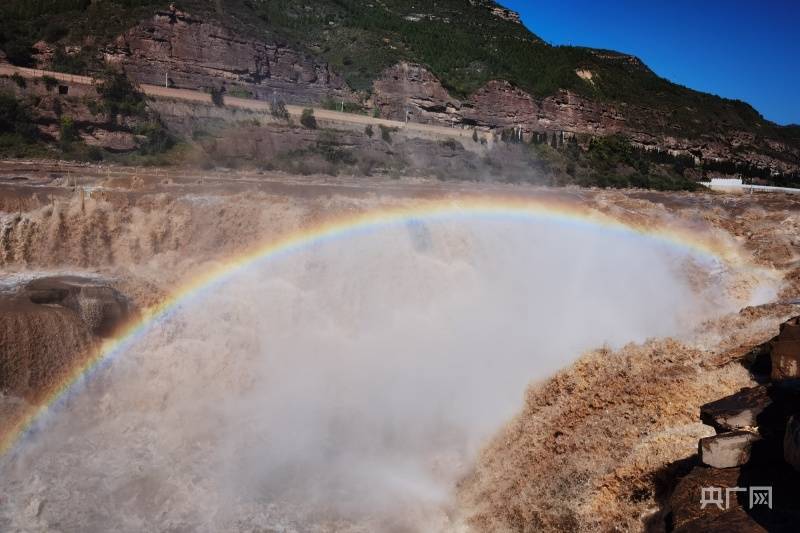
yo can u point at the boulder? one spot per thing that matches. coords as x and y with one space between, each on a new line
727 450
786 351
113 141
737 411
684 503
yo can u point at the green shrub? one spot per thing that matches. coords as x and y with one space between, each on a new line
19 53
386 133
217 96
16 118
451 144
157 138
308 119
68 131
240 92
278 110
120 97
50 82
70 63
54 32
342 106
368 131
19 80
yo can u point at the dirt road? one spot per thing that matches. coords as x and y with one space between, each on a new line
155 91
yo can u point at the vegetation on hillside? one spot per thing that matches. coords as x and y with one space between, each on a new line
461 41
25 22
118 107
611 162
18 135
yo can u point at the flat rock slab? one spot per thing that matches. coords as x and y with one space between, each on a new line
737 411
727 450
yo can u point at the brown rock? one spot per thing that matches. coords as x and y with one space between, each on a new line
737 411
411 91
786 351
42 54
113 141
685 502
498 104
727 450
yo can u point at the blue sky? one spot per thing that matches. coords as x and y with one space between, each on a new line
742 49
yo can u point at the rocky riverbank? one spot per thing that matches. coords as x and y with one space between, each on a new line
745 477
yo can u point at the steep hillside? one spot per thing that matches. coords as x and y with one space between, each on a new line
459 62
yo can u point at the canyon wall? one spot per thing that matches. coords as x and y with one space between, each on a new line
411 91
187 52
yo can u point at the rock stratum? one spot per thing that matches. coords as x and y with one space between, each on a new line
337 52
192 52
181 50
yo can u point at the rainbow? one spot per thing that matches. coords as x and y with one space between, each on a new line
336 228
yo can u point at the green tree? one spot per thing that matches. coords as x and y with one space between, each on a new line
278 110
19 80
120 97
308 119
217 96
68 131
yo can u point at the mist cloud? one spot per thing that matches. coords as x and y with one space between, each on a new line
347 386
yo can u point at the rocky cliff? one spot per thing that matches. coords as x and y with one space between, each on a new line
464 64
184 51
408 90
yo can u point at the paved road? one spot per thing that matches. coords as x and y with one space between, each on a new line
259 105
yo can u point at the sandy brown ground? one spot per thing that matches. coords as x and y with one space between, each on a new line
593 448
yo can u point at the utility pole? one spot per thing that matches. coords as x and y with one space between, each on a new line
166 79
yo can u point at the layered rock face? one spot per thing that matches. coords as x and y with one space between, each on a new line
185 51
412 90
497 105
51 106
194 54
407 91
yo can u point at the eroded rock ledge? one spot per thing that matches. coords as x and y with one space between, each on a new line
756 451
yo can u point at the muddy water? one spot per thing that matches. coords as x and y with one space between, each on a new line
347 386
